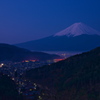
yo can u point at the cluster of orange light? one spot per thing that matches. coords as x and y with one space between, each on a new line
29 60
56 60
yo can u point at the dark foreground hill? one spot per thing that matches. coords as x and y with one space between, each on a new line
8 89
13 53
76 78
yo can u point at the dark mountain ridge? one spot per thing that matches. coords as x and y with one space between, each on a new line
13 53
76 78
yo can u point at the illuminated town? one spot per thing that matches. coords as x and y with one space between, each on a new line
15 70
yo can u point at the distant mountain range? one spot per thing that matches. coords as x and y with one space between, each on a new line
76 78
77 37
13 53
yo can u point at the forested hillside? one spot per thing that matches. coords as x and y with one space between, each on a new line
76 78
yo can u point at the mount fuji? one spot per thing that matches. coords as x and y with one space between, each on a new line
77 37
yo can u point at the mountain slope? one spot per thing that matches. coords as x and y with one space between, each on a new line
76 78
13 53
78 37
8 89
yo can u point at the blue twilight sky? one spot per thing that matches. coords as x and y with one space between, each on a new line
25 20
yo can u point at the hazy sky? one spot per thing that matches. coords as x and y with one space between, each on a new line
25 20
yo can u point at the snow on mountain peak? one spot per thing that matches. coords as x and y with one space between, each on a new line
77 29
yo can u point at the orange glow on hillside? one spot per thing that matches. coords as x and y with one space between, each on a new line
56 60
29 60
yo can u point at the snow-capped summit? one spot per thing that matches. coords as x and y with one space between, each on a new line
77 29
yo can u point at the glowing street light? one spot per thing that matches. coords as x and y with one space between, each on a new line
1 65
